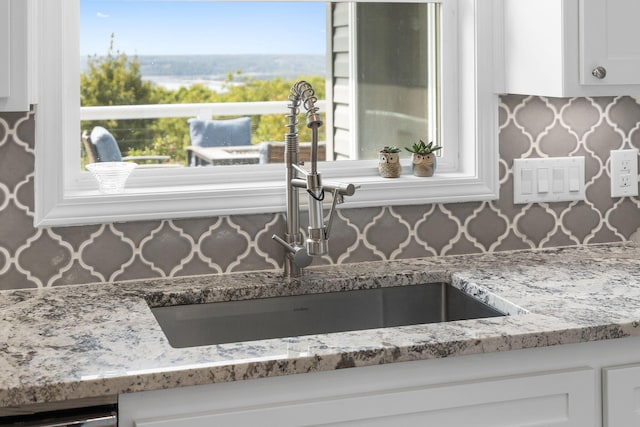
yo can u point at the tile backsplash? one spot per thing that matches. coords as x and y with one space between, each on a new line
529 127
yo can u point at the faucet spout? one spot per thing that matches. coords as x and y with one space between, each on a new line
298 255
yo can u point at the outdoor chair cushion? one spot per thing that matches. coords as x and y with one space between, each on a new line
225 133
107 149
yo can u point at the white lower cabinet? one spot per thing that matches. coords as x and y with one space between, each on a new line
576 385
551 399
516 388
621 396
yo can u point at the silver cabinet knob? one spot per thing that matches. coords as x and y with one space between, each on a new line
599 72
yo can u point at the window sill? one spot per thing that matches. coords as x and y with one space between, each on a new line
85 205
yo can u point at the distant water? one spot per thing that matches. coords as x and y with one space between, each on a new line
176 82
175 71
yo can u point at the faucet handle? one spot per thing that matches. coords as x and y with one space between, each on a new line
298 254
338 190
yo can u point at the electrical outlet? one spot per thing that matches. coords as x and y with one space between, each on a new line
624 173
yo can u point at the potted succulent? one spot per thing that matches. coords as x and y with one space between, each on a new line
423 158
389 162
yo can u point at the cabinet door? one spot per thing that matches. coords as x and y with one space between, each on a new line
621 396
554 399
5 52
608 39
16 85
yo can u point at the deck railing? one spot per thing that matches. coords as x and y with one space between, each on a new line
201 110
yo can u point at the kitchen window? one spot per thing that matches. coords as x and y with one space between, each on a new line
66 196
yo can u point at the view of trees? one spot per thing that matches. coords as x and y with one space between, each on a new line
115 79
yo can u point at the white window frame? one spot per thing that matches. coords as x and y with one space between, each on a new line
65 196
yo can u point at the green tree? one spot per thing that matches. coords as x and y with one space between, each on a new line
272 127
170 136
115 79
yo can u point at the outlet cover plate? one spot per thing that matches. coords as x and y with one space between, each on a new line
624 173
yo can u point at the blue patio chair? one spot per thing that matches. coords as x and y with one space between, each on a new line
219 133
103 147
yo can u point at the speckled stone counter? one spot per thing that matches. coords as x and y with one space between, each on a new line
96 340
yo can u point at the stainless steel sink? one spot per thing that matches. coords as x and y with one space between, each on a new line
280 317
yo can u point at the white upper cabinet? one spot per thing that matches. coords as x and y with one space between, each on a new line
610 52
5 55
566 48
17 87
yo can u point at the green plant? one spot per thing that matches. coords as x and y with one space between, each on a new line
422 148
390 149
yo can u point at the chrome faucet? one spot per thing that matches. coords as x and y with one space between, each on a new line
299 254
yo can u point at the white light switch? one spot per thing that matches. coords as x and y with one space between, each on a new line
543 180
555 179
527 181
558 180
574 178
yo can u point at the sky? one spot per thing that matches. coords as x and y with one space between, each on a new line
172 27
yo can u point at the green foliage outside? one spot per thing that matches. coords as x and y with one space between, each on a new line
115 79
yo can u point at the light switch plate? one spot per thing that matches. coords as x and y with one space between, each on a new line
550 179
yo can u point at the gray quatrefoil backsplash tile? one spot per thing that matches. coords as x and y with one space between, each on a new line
529 127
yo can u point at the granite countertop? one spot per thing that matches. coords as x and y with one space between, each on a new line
86 341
